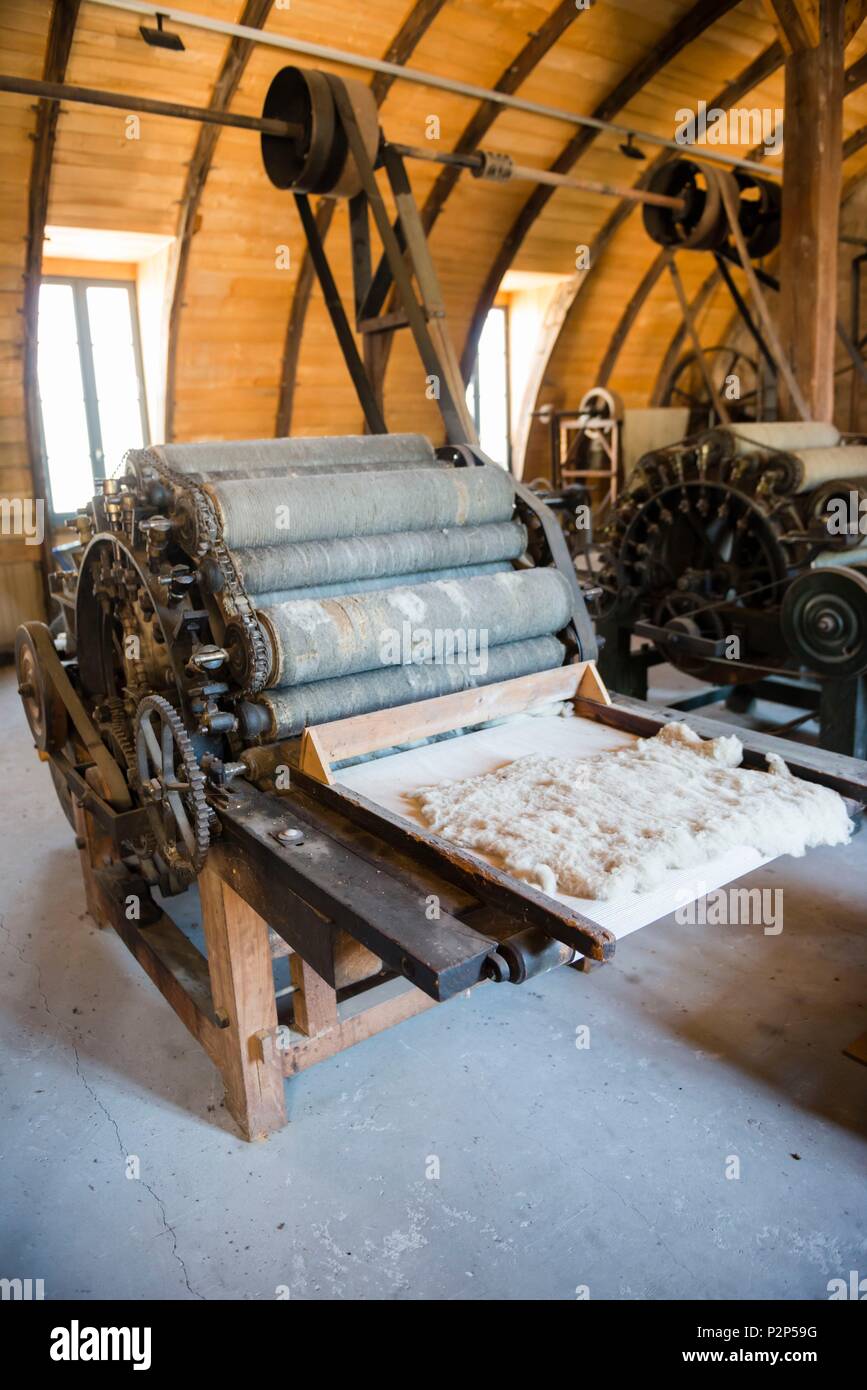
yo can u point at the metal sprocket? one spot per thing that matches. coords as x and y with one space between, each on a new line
173 788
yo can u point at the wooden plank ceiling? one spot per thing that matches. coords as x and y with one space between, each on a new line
248 342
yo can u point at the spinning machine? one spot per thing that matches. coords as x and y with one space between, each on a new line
740 554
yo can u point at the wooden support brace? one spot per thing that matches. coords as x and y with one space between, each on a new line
94 853
314 1001
242 984
325 744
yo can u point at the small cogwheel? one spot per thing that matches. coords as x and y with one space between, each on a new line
173 787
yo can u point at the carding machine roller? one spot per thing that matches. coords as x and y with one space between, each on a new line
229 596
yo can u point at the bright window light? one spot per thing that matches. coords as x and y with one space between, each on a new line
488 390
90 385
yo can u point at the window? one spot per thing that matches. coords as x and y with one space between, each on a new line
488 390
90 385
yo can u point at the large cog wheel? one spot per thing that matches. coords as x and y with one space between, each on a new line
173 788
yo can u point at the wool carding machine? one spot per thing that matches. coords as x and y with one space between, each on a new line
244 622
740 555
228 599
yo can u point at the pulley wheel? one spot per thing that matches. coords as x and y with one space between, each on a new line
320 161
824 621
759 213
701 225
43 707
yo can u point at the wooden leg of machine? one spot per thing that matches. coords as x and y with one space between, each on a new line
239 961
94 852
843 716
314 1002
622 669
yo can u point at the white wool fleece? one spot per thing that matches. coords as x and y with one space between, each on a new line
615 822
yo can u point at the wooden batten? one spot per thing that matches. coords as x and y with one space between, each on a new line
322 745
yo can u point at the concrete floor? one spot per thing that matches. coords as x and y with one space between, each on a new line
558 1167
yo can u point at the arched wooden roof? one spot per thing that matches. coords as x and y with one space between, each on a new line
251 346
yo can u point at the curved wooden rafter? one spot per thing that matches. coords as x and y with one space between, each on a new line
856 141
759 70
633 308
851 146
254 16
410 33
688 28
669 362
516 73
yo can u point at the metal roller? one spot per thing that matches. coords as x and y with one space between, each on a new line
727 442
354 451
274 511
284 713
317 639
824 620
388 581
267 568
822 466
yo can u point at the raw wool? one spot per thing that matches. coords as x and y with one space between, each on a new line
614 823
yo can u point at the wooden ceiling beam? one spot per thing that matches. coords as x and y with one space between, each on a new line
855 76
756 72
856 141
797 22
854 16
413 29
812 185
689 27
633 308
539 44
517 72
255 16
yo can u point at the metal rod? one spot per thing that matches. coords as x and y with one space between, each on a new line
475 161
92 96
324 53
122 101
613 190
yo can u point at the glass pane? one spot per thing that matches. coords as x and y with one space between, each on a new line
114 366
61 394
493 398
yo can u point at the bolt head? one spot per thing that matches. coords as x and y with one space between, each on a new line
291 836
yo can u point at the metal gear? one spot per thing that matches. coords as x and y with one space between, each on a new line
173 788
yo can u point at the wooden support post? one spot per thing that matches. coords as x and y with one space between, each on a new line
94 852
314 1002
239 963
812 171
843 716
